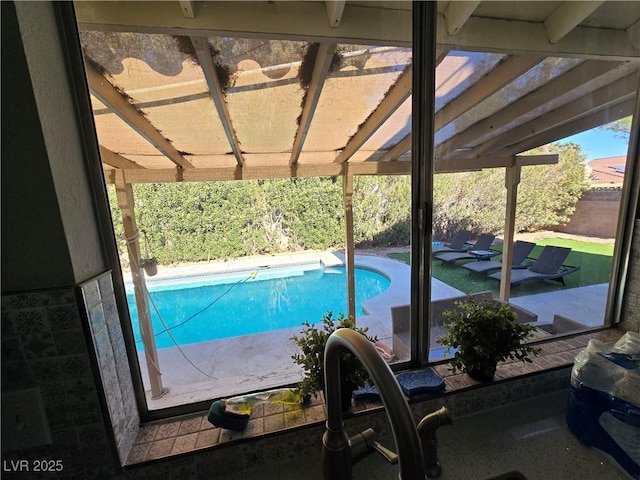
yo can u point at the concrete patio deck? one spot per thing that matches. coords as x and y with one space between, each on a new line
227 367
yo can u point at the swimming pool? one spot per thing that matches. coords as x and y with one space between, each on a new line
198 309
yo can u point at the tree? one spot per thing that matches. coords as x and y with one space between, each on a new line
621 127
547 195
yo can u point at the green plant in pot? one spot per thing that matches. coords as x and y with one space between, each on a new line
484 333
312 341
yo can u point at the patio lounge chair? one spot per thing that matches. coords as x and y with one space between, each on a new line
520 259
482 247
549 265
457 244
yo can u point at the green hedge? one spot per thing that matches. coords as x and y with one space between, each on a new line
191 222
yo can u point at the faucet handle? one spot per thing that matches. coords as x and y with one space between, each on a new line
365 442
390 456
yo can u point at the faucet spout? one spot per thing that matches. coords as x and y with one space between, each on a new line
427 431
337 459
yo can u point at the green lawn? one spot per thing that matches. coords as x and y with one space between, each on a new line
594 260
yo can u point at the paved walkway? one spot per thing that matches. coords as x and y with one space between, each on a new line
223 368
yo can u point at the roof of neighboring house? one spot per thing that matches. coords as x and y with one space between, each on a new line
608 169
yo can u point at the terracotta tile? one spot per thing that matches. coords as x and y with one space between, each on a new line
184 443
258 410
255 427
272 408
229 435
146 433
294 418
315 414
205 424
138 453
208 438
160 448
189 425
167 430
274 423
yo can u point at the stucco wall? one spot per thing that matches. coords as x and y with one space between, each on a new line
596 214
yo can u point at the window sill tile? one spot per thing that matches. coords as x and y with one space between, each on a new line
193 433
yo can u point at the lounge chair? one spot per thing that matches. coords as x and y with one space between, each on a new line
519 259
457 244
482 247
549 265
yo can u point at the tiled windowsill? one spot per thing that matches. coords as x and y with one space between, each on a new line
161 440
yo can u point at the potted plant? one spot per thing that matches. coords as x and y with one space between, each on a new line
484 333
150 265
312 341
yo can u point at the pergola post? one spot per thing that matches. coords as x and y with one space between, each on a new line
347 194
511 181
124 193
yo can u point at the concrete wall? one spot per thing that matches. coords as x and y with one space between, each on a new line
596 214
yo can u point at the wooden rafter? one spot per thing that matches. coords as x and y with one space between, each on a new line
514 37
404 145
335 8
570 80
567 17
396 95
457 13
201 45
501 75
116 160
633 32
188 8
321 67
118 104
498 161
623 89
301 23
168 175
398 149
596 119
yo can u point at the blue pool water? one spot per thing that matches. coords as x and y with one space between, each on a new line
242 305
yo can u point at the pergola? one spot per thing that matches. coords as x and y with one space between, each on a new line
511 76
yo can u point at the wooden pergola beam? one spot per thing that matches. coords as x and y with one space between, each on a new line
502 74
633 32
188 8
118 104
116 160
567 17
468 164
334 8
623 89
567 82
300 22
347 202
201 46
396 95
601 117
321 66
515 37
398 149
457 13
125 199
223 174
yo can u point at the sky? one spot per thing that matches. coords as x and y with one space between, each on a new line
599 143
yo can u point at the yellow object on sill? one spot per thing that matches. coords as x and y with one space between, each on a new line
243 404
